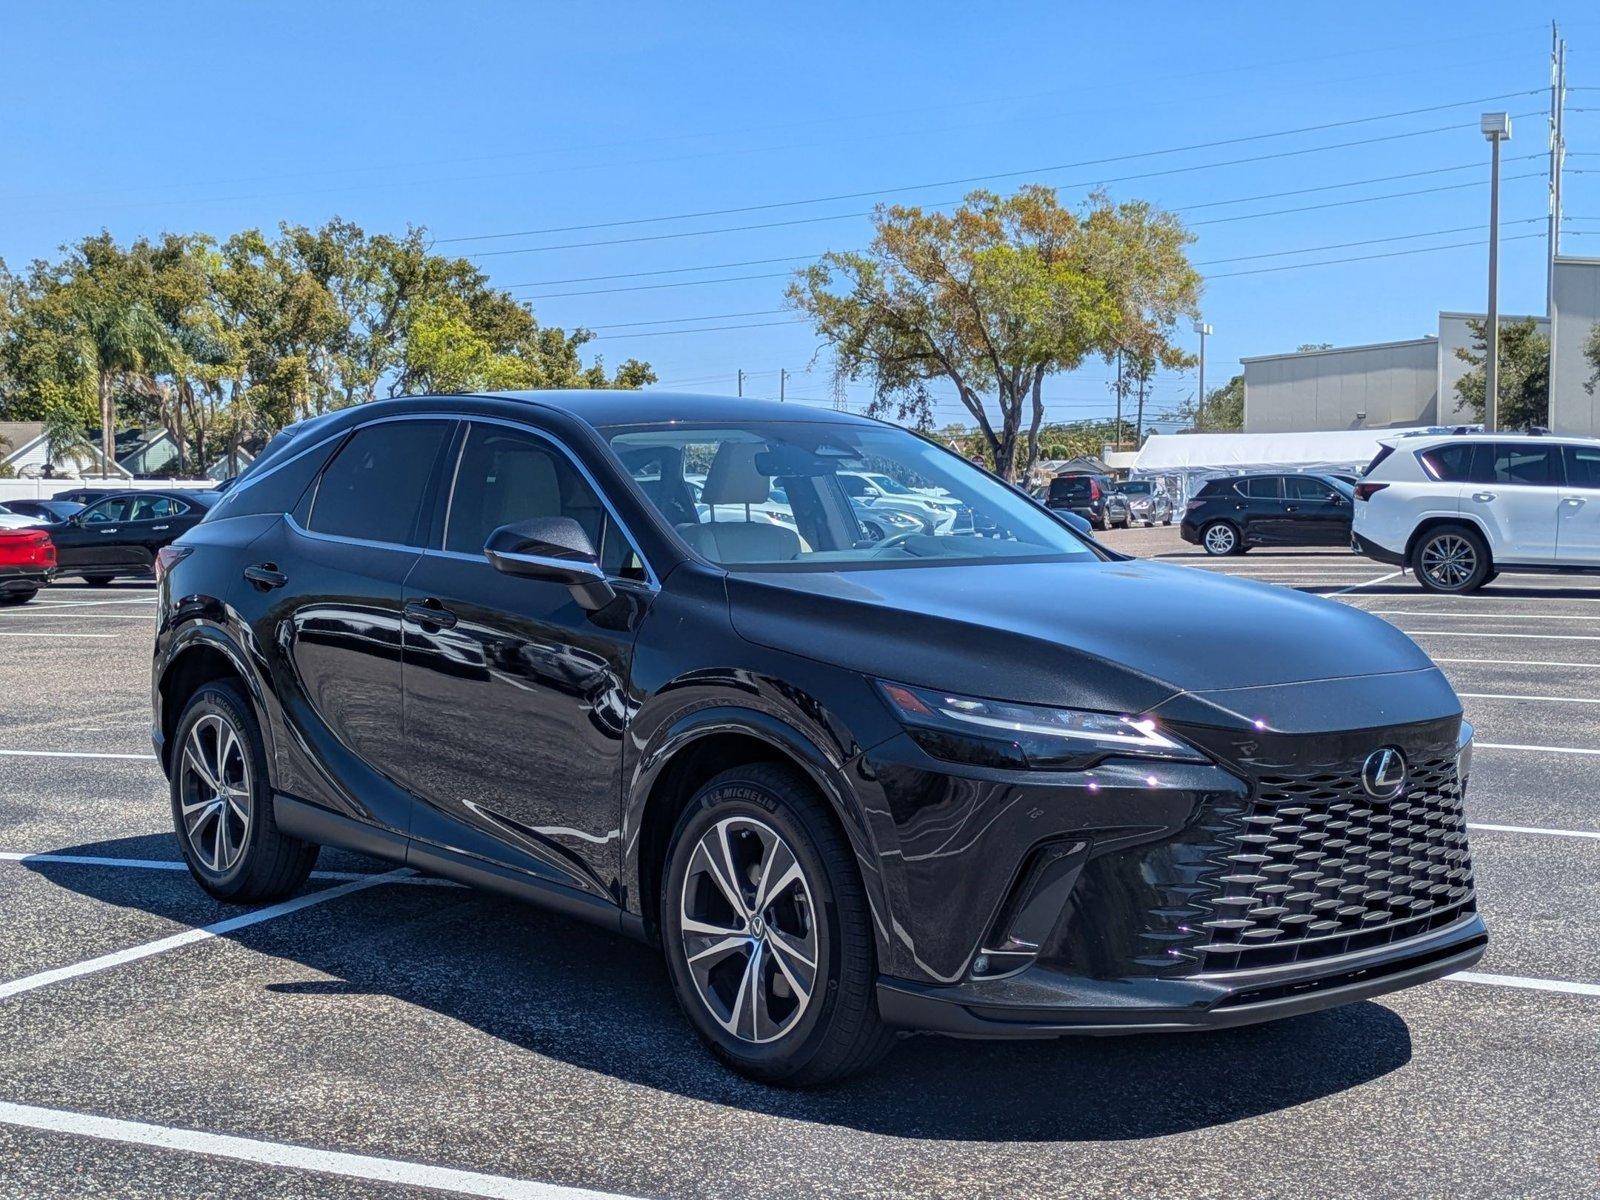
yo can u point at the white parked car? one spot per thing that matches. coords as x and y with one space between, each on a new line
877 490
1458 510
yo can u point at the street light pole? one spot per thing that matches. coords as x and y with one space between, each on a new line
1203 330
1496 127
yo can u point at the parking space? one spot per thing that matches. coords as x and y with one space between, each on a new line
389 1036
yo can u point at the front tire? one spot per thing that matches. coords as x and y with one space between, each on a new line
1221 538
1451 560
222 803
767 933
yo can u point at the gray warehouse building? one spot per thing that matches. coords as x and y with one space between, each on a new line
1389 385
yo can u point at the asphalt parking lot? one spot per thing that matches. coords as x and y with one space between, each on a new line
387 1036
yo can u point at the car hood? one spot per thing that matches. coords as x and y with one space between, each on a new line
1130 636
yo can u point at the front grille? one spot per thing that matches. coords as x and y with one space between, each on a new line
1314 867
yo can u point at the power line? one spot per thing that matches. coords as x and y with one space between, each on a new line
1278 212
1368 257
706 329
1402 237
690 233
914 187
765 312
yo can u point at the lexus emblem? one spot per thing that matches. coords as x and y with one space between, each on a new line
1383 775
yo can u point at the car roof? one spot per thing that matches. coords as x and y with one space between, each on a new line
606 406
1428 441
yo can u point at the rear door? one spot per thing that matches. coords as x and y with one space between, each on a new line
1514 494
1578 520
330 579
94 538
1263 517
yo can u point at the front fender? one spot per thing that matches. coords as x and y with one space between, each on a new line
797 729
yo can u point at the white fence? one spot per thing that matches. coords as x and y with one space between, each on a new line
43 489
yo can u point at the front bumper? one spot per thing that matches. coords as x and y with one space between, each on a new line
1044 1003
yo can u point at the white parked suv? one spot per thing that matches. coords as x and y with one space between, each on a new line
1459 509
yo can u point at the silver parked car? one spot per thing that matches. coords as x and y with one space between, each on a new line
1147 504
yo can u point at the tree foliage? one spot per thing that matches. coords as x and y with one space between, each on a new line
1523 387
1591 352
223 343
997 296
1223 411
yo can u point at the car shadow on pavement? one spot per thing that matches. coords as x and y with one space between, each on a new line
597 1001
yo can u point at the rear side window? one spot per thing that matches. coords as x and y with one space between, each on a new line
1383 453
373 488
1449 464
1583 466
1262 487
1519 462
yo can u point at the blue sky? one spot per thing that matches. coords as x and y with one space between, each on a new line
479 119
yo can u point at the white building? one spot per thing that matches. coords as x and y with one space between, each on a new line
1391 385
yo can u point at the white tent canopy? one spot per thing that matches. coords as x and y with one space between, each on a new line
1166 453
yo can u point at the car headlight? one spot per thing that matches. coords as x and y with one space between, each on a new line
992 733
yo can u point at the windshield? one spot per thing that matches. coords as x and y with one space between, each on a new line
1141 488
784 494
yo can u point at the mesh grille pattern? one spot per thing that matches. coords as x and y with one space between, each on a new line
1315 867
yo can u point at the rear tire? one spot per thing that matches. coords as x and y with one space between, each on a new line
1451 560
1222 538
98 580
14 598
222 803
811 1016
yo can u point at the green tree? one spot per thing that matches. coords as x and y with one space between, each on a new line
1223 411
994 298
1591 351
1523 389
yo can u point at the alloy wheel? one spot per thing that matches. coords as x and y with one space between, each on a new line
214 791
1449 561
1219 539
748 927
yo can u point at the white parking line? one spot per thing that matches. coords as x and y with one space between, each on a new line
1535 749
1547 699
104 962
168 864
297 1158
1535 637
38 604
31 634
30 611
74 754
1519 981
1366 583
1572 833
1517 662
1479 616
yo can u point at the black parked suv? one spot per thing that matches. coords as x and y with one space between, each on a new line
119 535
1095 498
998 784
1228 516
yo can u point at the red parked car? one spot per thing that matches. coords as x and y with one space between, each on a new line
27 563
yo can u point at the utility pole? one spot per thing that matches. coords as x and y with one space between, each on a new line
839 404
1203 330
783 378
1558 153
1119 398
741 381
1496 127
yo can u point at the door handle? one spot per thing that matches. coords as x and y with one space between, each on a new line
1483 497
159 528
1575 501
111 531
265 576
429 612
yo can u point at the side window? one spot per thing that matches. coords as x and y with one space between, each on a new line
115 508
373 488
1449 464
1261 487
1298 487
1583 466
854 485
1522 463
508 475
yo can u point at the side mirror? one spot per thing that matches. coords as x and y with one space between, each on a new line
555 549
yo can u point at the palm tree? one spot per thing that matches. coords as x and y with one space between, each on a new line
63 437
116 338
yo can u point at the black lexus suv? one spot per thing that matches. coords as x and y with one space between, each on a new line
995 783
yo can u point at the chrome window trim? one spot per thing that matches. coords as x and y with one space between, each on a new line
652 580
